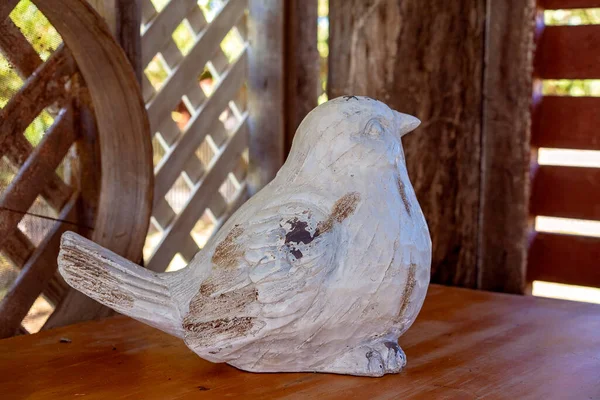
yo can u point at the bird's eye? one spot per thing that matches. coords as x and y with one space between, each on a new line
373 128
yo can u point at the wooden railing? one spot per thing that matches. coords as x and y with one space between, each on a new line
566 52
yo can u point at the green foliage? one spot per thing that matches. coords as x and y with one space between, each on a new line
572 17
184 38
9 81
568 87
35 130
36 28
45 40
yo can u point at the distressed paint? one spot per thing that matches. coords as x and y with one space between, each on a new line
321 271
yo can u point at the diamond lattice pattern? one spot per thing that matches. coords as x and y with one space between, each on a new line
194 89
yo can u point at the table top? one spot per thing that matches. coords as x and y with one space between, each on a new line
464 345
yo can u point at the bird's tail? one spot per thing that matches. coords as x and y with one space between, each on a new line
118 283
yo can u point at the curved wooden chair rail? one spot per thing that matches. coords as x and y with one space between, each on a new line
124 199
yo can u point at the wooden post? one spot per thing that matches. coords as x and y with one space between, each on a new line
470 84
301 64
505 145
426 59
127 32
124 18
265 91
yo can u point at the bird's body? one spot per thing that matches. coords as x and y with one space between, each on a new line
322 270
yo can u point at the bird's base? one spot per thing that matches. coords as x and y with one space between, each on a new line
376 360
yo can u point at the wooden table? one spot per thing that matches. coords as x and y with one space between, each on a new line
464 345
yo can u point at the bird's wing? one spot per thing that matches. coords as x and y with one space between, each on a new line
269 267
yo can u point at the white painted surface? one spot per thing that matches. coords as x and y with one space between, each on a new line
320 271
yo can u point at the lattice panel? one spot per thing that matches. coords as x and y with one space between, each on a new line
195 58
37 201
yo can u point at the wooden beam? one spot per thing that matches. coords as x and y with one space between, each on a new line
265 91
567 122
568 4
107 9
301 64
505 146
567 192
123 18
565 259
568 52
426 59
129 18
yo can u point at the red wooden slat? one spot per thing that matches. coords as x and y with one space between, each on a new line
567 122
573 260
568 4
568 52
568 192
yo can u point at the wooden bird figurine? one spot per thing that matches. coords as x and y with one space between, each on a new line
320 271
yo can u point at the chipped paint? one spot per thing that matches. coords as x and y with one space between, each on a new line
210 332
342 209
402 191
228 252
298 232
95 280
411 282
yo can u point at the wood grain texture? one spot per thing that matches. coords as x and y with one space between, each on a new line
568 4
568 192
107 9
567 122
568 52
568 259
425 59
17 50
265 91
6 7
506 145
123 215
456 349
129 17
302 67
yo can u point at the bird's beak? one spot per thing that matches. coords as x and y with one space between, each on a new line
407 123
